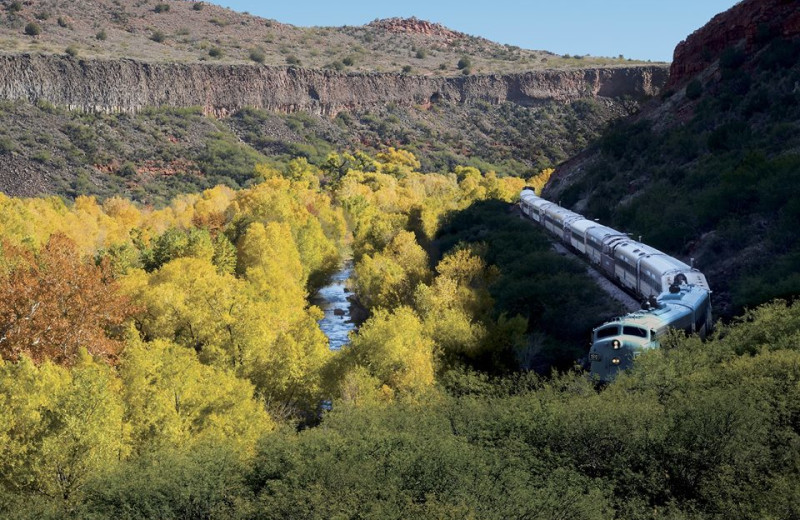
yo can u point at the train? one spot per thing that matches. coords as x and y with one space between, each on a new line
675 295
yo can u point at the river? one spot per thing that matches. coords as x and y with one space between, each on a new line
333 300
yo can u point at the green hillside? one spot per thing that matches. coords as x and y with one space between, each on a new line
712 173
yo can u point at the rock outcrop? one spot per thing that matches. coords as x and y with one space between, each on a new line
746 22
414 25
128 86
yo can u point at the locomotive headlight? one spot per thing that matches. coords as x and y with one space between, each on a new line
615 344
615 361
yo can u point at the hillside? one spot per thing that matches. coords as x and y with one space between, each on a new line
124 114
711 171
180 31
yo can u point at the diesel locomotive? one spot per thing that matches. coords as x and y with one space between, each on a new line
675 295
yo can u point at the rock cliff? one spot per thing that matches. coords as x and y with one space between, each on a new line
127 86
747 22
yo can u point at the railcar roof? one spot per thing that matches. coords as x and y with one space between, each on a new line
689 298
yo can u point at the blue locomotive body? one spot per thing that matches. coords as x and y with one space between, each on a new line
678 295
617 343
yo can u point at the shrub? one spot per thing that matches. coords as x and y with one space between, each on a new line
421 54
406 69
102 36
464 63
348 61
258 55
127 170
161 8
466 71
42 156
71 50
33 29
292 60
731 58
158 37
61 21
6 146
198 6
215 52
42 15
15 7
694 89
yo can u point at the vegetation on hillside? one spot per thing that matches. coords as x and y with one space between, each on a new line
720 187
179 31
157 154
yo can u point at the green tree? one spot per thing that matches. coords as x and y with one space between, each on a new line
59 428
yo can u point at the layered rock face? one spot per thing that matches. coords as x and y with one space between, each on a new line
747 20
128 86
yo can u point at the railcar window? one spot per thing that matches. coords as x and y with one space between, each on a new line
634 331
607 332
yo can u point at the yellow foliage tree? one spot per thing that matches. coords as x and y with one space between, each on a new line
394 348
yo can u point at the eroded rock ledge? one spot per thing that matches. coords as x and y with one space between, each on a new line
128 85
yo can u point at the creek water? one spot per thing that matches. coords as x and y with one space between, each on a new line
333 300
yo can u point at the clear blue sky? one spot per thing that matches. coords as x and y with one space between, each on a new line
640 29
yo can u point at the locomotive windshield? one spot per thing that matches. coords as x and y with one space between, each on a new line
607 332
634 331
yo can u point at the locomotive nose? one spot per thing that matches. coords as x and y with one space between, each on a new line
608 357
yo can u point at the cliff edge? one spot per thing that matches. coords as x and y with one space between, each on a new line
124 85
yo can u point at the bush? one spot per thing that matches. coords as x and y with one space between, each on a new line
198 6
292 60
215 52
161 8
33 29
158 37
258 55
406 69
731 58
421 54
464 63
102 36
71 50
6 146
15 7
127 170
694 89
348 61
61 21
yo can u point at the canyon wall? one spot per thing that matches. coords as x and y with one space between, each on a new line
127 86
745 23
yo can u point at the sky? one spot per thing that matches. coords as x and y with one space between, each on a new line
639 29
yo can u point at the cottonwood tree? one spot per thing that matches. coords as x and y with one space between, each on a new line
53 304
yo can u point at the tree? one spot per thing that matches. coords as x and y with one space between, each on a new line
173 400
62 426
56 304
394 348
388 279
259 331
